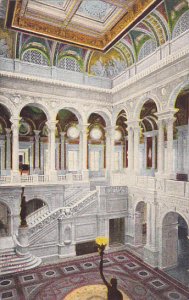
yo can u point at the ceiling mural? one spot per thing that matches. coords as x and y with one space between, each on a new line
166 21
107 65
94 24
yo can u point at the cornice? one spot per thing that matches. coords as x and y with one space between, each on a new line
155 67
53 98
54 82
159 84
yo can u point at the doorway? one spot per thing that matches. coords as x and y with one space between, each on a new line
116 231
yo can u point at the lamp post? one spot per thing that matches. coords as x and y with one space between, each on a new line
101 244
112 291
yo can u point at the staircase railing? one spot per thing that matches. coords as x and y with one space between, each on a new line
64 212
36 214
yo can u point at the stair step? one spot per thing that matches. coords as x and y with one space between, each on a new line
14 259
25 265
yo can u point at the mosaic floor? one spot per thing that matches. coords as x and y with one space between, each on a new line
70 279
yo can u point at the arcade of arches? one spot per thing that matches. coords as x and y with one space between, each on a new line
83 155
33 144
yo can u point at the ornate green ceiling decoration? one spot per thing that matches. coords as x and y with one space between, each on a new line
166 21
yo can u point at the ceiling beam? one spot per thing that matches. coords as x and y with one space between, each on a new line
74 7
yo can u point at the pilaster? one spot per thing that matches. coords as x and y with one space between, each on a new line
37 151
15 146
8 149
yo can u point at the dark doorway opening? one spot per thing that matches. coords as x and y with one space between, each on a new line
116 231
86 248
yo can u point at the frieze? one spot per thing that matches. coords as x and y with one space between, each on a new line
121 190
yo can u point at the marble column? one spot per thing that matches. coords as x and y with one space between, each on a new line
110 157
180 165
31 155
51 147
37 151
62 153
160 146
136 148
130 149
57 155
8 149
154 151
83 148
15 146
169 124
148 225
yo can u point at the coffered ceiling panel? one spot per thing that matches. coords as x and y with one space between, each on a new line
94 24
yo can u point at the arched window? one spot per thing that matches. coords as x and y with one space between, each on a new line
69 63
148 47
182 24
35 57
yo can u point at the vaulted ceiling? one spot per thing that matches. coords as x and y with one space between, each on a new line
95 24
166 21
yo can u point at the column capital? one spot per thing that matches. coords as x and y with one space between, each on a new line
15 123
134 124
51 125
84 127
62 134
164 115
37 132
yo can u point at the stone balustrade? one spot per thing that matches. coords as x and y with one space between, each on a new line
37 214
161 185
42 179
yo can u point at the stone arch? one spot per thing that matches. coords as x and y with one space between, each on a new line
34 204
40 105
174 94
142 101
140 222
8 105
74 110
169 238
163 215
105 114
116 112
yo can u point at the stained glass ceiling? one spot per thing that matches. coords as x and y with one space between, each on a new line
94 24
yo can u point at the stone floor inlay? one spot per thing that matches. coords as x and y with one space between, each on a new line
64 280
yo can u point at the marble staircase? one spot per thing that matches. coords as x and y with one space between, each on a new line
12 262
42 227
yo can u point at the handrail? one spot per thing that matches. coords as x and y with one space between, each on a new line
36 214
64 212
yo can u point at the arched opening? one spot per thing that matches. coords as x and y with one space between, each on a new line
121 142
96 155
67 142
34 205
181 135
5 220
175 244
35 210
148 138
33 141
140 224
5 141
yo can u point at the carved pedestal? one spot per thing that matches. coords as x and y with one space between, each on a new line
22 245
